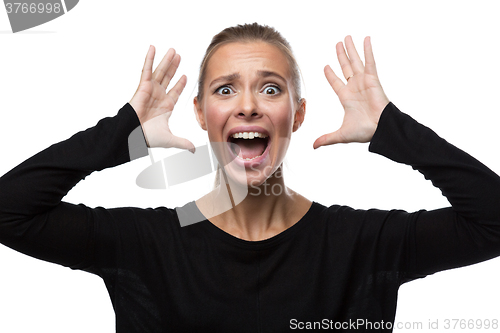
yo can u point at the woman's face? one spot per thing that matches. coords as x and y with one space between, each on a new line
248 105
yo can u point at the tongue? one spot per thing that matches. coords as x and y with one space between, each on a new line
250 148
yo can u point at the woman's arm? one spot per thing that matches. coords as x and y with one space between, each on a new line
467 232
33 220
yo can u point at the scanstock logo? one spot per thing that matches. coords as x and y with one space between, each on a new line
29 14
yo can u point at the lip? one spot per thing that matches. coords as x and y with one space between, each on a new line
257 161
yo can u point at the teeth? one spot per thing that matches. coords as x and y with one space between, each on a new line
253 158
249 159
248 135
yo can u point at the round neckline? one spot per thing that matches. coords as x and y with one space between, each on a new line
264 243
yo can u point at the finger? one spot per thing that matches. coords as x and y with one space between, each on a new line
148 64
370 67
182 143
333 79
176 91
172 68
329 139
356 63
162 68
344 62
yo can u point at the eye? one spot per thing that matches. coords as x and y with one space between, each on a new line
272 90
224 90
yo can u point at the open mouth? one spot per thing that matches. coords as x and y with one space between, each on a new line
248 146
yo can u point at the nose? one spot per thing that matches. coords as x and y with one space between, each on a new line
247 106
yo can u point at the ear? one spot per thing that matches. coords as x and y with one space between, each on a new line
200 117
300 113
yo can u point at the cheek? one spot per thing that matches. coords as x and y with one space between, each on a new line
283 120
215 119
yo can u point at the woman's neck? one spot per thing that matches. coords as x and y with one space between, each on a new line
255 212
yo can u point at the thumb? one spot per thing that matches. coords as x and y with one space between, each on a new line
182 143
329 139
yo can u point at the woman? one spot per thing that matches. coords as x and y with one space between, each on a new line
267 261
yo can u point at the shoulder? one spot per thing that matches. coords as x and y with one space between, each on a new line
346 219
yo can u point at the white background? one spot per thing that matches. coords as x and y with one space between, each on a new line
437 61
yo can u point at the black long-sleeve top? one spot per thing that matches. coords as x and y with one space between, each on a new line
337 267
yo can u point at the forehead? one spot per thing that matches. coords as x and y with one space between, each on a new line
245 58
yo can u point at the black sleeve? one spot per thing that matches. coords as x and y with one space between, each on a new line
34 221
465 233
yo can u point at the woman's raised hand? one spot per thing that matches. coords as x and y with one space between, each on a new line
362 96
154 105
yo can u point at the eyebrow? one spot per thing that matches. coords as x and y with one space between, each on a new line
269 73
230 77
